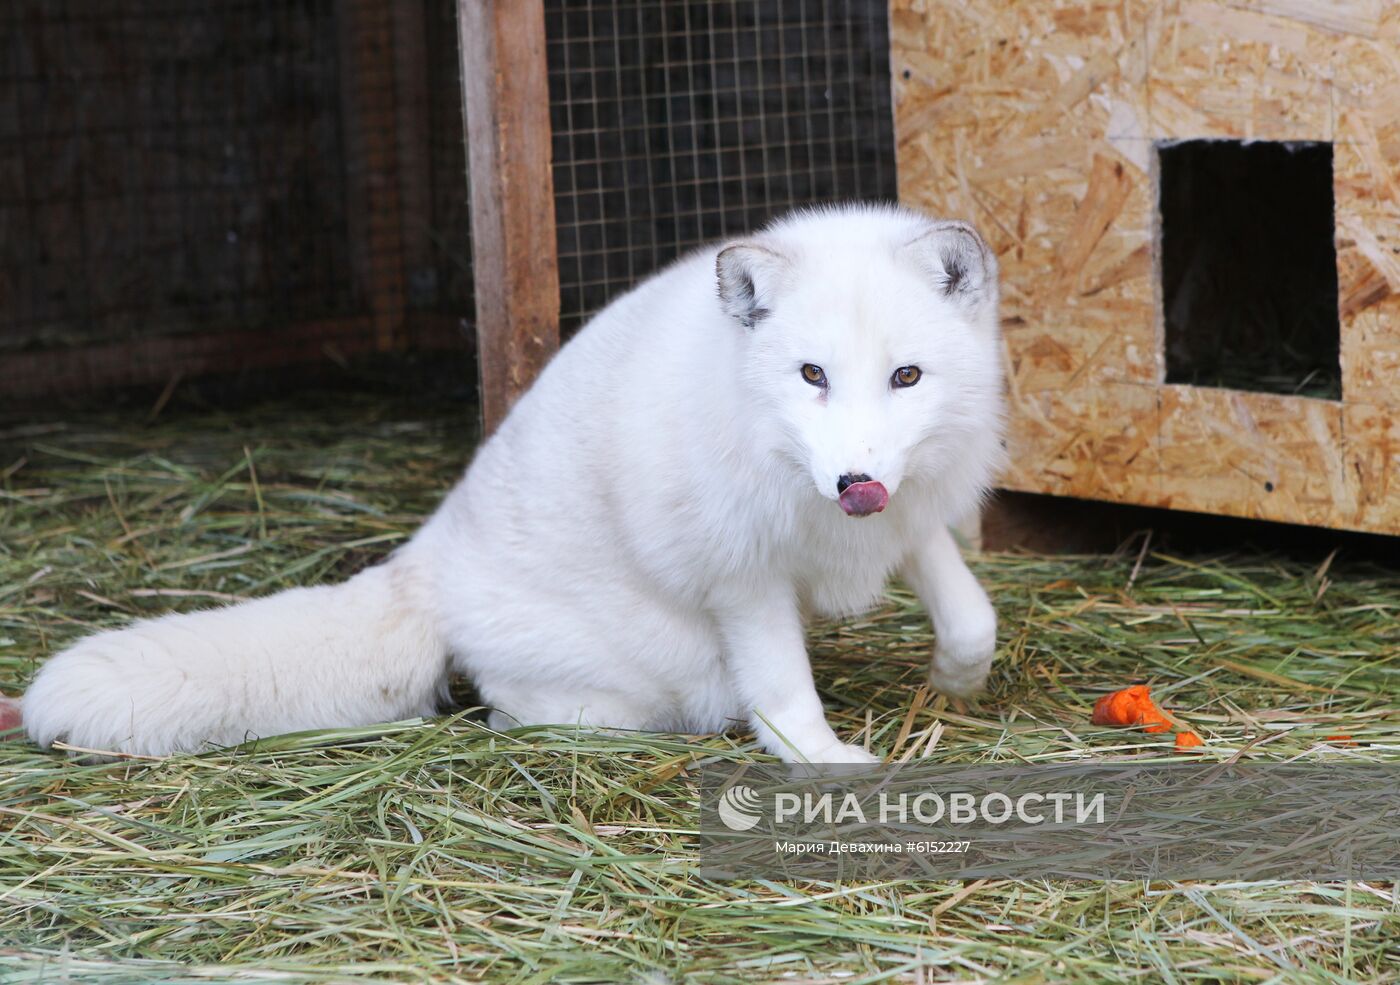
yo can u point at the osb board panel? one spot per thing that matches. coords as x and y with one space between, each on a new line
1366 184
1253 454
1372 463
1009 132
1221 71
1089 442
1037 122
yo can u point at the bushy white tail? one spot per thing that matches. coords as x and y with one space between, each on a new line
356 653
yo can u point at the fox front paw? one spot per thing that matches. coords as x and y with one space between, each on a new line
961 662
842 752
959 682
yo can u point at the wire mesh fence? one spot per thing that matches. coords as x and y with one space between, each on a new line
169 168
190 186
214 186
682 122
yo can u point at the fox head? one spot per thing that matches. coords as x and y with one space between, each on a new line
871 336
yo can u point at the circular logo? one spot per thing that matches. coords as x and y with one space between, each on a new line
738 808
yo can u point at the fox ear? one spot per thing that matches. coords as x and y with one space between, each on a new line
963 267
748 274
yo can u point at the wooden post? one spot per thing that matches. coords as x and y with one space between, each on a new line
505 91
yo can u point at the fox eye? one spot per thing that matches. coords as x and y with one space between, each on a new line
906 376
814 375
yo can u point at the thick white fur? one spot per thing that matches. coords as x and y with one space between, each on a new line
639 543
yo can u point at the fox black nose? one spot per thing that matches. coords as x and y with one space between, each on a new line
849 480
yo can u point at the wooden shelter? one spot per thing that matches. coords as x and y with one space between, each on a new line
1046 124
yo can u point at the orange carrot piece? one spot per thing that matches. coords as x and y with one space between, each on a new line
1131 706
1188 740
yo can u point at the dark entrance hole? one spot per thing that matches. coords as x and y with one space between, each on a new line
1249 268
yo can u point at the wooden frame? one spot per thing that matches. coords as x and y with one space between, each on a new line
1037 122
505 89
158 360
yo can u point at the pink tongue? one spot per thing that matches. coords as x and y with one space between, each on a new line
864 498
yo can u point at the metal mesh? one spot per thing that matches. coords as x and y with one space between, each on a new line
194 186
168 167
682 122
445 285
206 186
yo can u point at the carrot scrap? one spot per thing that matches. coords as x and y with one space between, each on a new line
1131 706
1341 740
1134 706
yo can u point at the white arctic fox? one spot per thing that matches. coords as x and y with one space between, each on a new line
759 432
